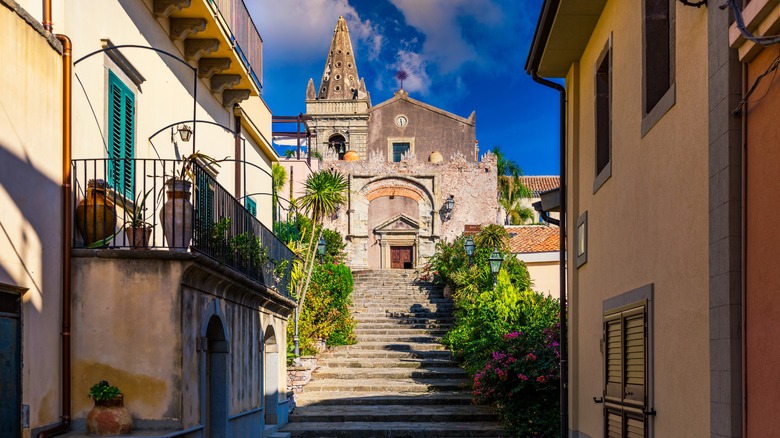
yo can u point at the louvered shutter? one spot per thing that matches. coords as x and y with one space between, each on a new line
121 137
625 373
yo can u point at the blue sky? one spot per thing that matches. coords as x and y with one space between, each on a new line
461 55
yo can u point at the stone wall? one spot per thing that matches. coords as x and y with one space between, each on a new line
472 185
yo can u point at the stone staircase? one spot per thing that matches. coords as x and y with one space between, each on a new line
398 380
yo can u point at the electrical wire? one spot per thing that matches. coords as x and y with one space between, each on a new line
740 21
695 4
772 68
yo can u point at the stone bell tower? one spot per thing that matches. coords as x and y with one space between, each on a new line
339 108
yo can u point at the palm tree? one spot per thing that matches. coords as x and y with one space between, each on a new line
325 191
510 198
279 179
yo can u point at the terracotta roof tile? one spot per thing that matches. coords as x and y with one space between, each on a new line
538 184
533 238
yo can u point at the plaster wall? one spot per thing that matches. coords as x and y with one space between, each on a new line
165 97
382 209
30 196
545 277
762 303
631 240
429 130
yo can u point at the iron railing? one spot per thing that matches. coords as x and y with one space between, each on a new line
244 36
137 204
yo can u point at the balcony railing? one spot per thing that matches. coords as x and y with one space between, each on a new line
245 37
137 204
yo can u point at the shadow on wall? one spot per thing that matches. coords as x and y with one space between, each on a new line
38 200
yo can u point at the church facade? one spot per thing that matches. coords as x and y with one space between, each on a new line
415 175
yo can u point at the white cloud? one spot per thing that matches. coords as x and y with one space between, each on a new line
302 29
416 66
446 46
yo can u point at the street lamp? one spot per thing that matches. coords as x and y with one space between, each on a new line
449 204
495 264
322 245
469 247
185 132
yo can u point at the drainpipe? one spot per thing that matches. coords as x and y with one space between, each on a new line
237 151
564 333
743 250
47 24
67 229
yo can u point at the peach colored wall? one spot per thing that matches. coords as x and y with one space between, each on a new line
763 249
633 240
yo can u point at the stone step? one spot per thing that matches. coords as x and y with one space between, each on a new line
402 331
390 346
389 385
383 299
393 413
391 325
394 429
373 319
345 398
396 362
399 338
384 354
387 373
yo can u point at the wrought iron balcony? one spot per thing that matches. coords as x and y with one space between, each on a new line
153 204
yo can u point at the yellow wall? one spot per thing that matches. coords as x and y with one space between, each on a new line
30 218
648 223
546 277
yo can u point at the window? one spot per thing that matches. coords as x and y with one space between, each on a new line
603 116
658 61
121 137
251 206
398 150
582 239
626 335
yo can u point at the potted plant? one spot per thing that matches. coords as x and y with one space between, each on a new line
136 227
96 214
109 415
176 214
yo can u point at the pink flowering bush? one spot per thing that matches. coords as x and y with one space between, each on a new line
521 379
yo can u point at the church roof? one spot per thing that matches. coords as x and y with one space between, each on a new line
340 80
403 95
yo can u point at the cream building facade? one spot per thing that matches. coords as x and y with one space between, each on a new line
193 334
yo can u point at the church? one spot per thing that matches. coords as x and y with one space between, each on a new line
414 170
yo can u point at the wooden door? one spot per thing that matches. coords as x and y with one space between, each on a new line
10 366
401 257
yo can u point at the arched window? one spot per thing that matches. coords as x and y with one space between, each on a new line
338 144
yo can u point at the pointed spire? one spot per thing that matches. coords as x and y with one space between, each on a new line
340 78
311 94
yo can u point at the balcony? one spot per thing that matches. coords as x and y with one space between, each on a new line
136 204
222 38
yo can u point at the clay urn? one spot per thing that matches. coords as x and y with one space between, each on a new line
351 156
435 157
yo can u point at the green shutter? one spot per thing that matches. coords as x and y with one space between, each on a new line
251 206
121 136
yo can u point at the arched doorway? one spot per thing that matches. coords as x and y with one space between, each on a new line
338 145
271 376
216 379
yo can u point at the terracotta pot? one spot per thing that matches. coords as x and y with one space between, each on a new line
176 214
351 156
95 214
447 293
139 237
435 157
109 417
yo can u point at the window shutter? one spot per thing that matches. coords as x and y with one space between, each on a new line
121 137
635 357
614 357
614 426
251 206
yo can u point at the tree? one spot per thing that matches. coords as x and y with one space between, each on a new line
278 179
324 192
511 189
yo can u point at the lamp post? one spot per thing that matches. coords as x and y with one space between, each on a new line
495 264
322 245
469 247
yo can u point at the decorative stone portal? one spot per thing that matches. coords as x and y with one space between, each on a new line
398 238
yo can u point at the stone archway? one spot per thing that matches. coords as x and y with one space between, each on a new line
214 372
